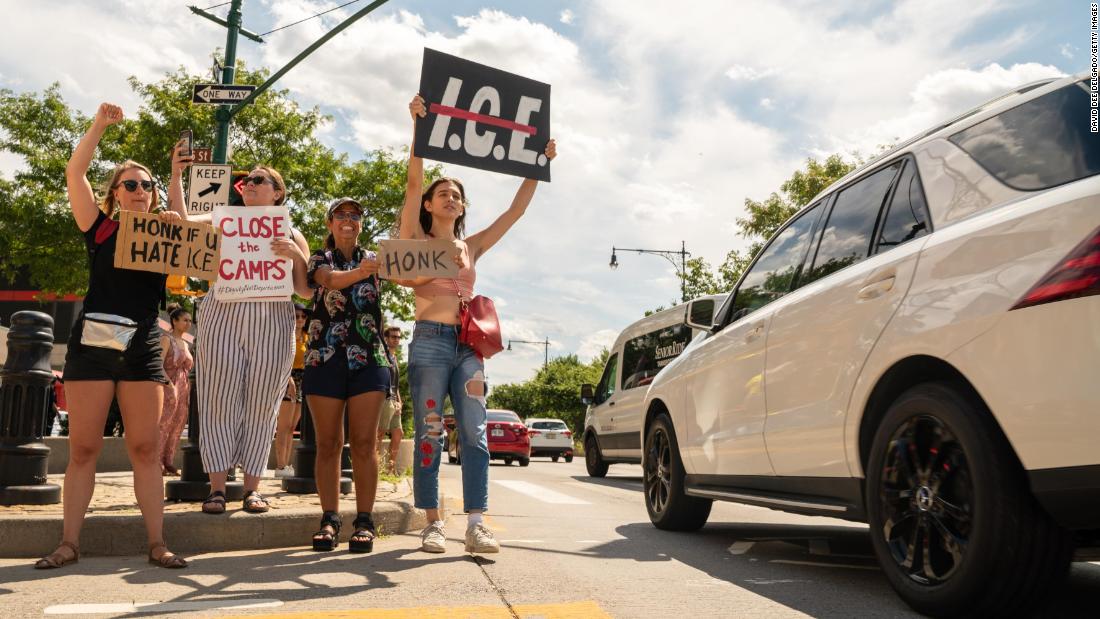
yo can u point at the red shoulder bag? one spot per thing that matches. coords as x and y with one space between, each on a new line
479 323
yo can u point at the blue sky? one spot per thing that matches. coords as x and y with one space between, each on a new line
667 115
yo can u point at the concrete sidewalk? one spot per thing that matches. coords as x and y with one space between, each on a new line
114 525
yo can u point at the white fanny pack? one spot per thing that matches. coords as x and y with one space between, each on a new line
107 331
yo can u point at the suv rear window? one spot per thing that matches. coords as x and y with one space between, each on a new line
645 355
1039 144
549 425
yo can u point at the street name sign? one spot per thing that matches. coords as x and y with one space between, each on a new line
203 155
209 187
217 94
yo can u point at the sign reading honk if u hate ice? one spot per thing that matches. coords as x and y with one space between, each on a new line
409 259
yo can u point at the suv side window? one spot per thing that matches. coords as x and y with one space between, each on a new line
607 382
771 275
645 355
1038 144
907 218
847 236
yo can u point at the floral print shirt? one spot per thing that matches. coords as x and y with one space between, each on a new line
345 322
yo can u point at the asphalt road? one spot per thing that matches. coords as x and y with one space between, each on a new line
573 547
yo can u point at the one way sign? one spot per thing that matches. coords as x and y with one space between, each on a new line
220 93
209 187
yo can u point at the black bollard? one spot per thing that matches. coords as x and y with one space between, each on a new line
194 483
25 384
305 457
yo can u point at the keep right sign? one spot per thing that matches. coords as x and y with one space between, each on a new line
209 187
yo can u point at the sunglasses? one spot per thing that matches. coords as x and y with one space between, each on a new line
132 186
257 180
300 316
344 216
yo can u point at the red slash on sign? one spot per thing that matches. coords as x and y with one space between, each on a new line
447 110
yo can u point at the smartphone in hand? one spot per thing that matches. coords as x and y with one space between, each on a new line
185 135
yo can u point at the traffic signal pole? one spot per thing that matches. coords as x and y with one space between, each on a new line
226 113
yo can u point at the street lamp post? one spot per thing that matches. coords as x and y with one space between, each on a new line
667 254
545 352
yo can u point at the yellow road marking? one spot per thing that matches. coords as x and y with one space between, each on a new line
568 610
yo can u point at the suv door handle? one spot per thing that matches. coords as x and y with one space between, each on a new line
755 332
611 404
878 288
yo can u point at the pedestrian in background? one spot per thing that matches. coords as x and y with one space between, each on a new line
290 409
114 349
389 423
177 393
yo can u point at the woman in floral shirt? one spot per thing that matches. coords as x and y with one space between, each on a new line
346 365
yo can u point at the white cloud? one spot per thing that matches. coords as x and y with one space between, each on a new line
749 74
594 343
767 103
1066 50
566 17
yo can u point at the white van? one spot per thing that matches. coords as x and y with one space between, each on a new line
613 422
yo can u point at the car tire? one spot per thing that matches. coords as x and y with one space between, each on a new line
524 461
941 472
554 458
458 455
507 462
663 482
593 460
568 458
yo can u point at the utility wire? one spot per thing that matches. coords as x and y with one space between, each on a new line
308 18
216 6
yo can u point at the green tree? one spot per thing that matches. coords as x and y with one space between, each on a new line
36 229
553 392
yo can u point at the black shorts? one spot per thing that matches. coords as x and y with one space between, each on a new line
333 379
141 361
296 376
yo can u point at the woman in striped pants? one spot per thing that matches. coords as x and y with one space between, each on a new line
243 364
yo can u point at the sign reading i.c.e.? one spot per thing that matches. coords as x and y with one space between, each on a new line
483 117
248 268
209 187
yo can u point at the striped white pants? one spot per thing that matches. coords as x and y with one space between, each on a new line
242 364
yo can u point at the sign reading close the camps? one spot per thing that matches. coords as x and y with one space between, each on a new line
409 259
209 187
146 243
249 269
483 117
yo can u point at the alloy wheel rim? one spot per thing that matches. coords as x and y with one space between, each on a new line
658 477
925 495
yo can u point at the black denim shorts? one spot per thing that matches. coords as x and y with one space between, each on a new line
334 379
142 360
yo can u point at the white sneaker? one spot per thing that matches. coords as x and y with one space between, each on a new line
433 538
480 539
286 471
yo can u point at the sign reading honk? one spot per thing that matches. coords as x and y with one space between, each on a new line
409 259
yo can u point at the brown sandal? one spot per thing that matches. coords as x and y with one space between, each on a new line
55 559
255 503
167 558
215 503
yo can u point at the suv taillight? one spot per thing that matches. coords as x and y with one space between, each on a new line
1077 275
568 433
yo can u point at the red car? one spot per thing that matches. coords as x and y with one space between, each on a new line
508 439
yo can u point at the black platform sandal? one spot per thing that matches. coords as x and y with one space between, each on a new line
328 538
362 540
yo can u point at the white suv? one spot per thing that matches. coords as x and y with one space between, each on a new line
919 349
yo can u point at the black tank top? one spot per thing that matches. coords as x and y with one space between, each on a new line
124 292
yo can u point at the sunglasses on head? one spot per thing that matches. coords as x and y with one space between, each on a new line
257 180
132 186
345 216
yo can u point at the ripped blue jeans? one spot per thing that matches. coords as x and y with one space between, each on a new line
440 366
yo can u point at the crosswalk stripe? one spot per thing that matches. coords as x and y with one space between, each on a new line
536 491
568 610
159 607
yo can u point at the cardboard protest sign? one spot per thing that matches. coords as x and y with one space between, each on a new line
249 270
483 117
409 259
146 243
209 187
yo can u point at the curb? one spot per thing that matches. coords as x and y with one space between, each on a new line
195 532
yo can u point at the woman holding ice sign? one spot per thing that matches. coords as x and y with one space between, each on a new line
439 364
114 350
245 351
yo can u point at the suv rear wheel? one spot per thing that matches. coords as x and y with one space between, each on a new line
953 523
663 482
593 461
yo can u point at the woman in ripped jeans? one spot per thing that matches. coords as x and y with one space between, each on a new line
439 365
